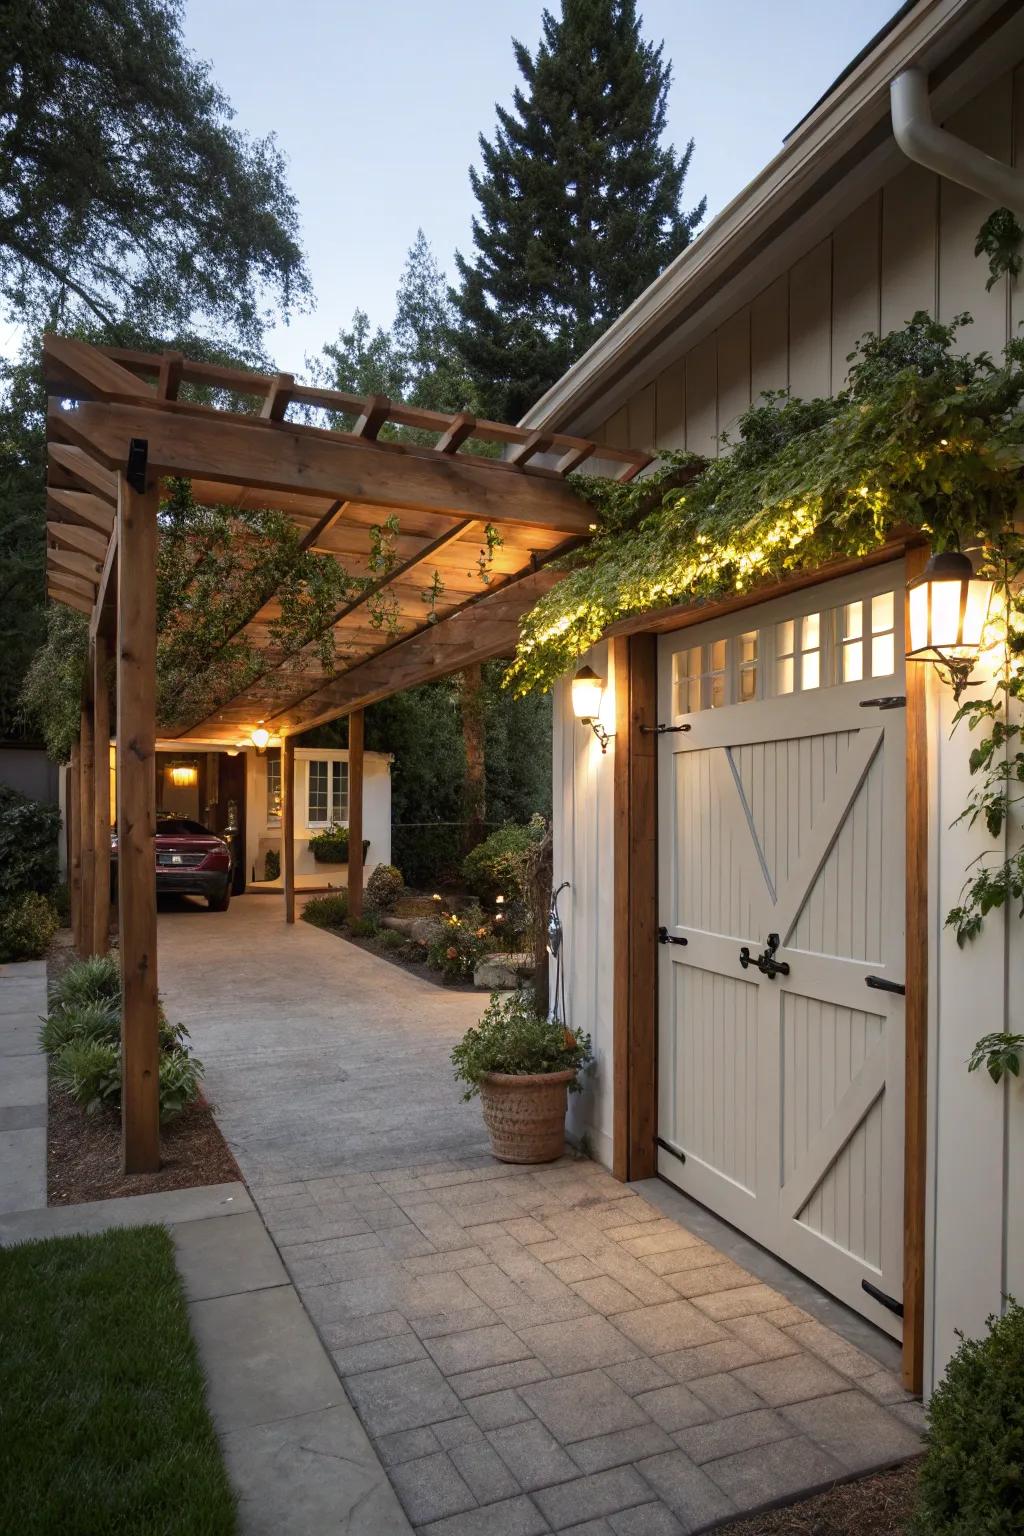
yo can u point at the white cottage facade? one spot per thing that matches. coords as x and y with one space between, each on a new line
799 809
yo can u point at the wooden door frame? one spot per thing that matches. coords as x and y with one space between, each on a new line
634 659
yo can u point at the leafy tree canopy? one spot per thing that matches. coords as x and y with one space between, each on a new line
580 203
124 188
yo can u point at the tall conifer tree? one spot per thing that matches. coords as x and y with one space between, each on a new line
580 203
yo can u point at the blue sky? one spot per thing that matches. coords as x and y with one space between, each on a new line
378 109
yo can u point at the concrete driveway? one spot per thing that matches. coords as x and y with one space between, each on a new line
318 1056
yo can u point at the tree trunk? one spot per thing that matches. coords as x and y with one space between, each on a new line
474 786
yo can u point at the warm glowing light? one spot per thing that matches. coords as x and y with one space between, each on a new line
184 775
587 692
232 751
259 738
948 610
435 897
499 900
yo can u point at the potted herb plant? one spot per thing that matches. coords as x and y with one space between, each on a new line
523 1066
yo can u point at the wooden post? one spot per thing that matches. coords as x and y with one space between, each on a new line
635 997
86 801
288 825
136 823
916 1010
355 813
73 807
101 799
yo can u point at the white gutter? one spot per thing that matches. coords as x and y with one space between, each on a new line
922 141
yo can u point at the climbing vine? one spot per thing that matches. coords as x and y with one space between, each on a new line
923 437
1000 238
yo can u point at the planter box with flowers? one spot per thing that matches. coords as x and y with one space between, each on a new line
331 846
523 1066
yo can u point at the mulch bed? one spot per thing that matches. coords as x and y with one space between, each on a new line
418 968
873 1506
83 1152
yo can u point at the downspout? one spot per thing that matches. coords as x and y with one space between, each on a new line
922 141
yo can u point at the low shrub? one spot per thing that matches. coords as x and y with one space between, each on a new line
458 943
96 979
96 1021
363 927
331 846
271 864
28 845
27 925
82 1036
495 867
326 911
384 887
513 1037
971 1479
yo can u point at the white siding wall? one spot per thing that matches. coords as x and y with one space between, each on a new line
261 835
583 855
909 246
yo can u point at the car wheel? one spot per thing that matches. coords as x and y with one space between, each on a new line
219 903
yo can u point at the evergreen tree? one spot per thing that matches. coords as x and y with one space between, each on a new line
580 203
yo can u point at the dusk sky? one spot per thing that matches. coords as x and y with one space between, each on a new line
378 110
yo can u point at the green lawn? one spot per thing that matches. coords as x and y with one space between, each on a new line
103 1426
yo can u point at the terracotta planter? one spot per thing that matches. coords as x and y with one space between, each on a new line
525 1116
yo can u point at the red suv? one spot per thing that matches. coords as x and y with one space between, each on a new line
190 861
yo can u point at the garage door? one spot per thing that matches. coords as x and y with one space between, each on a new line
781 881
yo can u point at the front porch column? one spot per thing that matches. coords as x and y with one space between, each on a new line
101 798
288 825
136 822
355 813
86 800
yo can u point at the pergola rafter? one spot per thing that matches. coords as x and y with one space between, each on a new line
471 540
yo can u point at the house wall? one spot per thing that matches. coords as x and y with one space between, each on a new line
262 834
908 246
583 855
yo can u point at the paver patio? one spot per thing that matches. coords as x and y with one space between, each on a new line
530 1351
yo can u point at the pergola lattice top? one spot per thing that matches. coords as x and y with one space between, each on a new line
335 486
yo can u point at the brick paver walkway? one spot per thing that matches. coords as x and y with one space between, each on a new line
530 1351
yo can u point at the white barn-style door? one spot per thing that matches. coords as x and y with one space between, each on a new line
781 865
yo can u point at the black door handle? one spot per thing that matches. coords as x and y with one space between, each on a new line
766 961
880 984
664 937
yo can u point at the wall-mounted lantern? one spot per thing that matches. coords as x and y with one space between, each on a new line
260 738
948 611
184 775
587 693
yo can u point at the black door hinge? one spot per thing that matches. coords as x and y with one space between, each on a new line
887 701
663 730
664 937
666 1146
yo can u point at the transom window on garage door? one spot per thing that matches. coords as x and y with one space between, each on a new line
844 644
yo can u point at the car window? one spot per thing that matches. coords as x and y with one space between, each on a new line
180 826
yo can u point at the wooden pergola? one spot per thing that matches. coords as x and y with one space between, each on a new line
116 428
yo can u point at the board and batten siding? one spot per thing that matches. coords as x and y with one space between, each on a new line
907 247
583 854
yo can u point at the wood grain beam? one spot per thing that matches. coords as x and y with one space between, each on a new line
136 824
288 825
74 564
100 655
74 536
462 428
279 397
916 1009
372 417
278 457
70 599
82 468
81 507
169 378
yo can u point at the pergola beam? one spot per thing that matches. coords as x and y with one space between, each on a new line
275 457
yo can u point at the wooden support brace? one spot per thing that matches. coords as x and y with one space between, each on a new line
574 458
86 540
169 378
374 414
101 798
461 428
87 802
62 594
73 808
279 397
522 453
288 825
136 823
355 813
